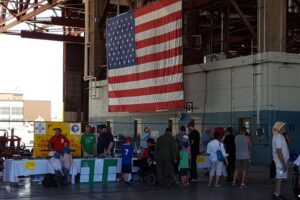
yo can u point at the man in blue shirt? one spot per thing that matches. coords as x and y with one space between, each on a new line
127 152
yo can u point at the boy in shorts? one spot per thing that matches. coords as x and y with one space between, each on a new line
127 152
184 156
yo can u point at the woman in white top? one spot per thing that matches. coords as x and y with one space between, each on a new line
216 165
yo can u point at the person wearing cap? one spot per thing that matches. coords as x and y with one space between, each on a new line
88 142
105 141
58 141
149 150
165 154
242 155
194 137
127 152
229 143
66 161
184 157
179 137
280 153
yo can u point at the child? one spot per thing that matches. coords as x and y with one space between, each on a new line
127 152
55 163
66 161
184 156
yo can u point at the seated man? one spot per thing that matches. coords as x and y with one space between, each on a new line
149 151
147 158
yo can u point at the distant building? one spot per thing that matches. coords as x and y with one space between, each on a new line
17 113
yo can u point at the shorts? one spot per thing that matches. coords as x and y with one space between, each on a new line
126 168
242 164
279 173
183 171
216 168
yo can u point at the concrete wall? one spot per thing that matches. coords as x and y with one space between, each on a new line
260 88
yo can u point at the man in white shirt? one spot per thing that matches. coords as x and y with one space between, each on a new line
280 153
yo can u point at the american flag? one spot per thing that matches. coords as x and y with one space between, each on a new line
144 58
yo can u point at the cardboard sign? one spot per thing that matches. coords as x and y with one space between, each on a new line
44 131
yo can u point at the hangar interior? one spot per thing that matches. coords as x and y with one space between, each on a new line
229 45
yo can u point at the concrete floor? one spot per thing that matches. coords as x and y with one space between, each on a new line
260 187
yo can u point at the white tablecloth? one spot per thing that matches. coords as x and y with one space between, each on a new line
15 168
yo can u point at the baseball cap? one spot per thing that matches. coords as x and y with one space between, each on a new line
229 129
51 153
59 129
190 124
278 125
151 141
102 126
67 150
128 139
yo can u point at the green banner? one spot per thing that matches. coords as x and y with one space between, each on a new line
87 171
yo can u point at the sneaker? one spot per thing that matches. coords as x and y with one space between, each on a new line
280 197
126 182
218 186
194 180
233 184
243 185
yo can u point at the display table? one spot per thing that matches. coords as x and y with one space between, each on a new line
15 168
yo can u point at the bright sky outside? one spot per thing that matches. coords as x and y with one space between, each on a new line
33 67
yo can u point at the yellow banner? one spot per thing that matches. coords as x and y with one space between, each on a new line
43 131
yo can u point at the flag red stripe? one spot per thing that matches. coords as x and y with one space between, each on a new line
152 7
159 56
174 87
158 22
146 75
147 107
159 39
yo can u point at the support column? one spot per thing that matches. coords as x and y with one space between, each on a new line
97 42
271 23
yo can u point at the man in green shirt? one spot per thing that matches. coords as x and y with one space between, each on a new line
88 142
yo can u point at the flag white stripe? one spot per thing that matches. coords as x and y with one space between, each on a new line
146 67
164 80
158 13
156 98
172 26
171 44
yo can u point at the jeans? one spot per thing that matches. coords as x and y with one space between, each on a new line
66 173
193 170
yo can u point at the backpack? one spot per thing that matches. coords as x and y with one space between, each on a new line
49 180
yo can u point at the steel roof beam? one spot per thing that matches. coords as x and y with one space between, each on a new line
61 21
52 37
28 15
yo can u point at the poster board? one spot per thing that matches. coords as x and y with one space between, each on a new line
98 170
43 131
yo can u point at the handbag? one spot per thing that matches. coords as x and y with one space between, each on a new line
220 154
